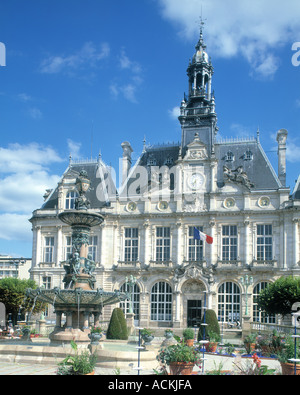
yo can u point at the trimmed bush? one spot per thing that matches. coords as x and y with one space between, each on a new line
212 325
117 328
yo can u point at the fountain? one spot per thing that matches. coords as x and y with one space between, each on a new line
79 299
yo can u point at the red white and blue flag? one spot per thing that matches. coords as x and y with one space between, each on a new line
202 236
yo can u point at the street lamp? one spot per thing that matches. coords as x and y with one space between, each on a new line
130 283
246 281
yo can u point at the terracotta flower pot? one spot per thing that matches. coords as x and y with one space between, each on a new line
181 368
288 369
211 347
189 342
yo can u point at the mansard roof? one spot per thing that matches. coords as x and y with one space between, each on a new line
250 155
96 171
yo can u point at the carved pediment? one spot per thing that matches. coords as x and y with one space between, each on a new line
196 150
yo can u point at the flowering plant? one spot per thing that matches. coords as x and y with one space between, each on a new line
179 352
96 329
256 368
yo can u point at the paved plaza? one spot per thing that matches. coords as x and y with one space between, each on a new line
211 362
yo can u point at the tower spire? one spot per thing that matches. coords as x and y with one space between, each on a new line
197 111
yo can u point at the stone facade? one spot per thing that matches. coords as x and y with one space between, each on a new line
226 189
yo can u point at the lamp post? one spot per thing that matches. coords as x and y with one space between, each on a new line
130 283
246 281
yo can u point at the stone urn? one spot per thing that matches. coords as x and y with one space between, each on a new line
95 337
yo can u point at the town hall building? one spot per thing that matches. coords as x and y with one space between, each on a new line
226 189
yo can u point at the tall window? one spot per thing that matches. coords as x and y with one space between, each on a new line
258 315
135 299
264 243
161 302
93 242
70 200
229 243
46 282
68 247
131 246
195 252
49 249
163 243
229 302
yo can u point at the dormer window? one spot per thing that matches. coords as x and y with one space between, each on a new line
229 157
169 161
248 155
151 161
70 200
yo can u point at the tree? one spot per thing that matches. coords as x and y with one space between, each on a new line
212 324
12 295
117 328
278 297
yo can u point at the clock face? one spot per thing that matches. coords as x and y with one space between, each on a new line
196 181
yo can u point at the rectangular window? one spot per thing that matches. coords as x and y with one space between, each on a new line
93 242
46 282
264 243
163 243
195 251
68 247
229 242
131 246
49 249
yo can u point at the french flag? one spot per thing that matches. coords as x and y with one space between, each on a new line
202 236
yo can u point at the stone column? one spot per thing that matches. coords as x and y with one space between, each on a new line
69 319
58 319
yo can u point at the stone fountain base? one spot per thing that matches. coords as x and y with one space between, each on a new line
61 337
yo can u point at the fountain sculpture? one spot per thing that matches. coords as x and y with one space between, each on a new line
79 299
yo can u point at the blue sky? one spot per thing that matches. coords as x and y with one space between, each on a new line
84 76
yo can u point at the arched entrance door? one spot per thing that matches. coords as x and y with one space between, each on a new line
192 302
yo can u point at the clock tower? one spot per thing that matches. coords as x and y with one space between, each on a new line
197 110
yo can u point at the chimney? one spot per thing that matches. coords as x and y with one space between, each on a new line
126 160
281 139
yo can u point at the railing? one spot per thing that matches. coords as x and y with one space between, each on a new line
284 329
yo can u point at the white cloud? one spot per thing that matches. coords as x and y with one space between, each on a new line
24 177
130 84
88 55
253 29
74 148
174 112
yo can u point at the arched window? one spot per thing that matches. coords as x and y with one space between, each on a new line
125 305
229 302
70 200
161 302
258 315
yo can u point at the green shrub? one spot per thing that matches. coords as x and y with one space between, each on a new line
212 325
117 328
188 334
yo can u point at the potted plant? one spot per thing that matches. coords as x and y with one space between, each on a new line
169 333
188 336
180 358
285 354
214 339
250 342
95 335
147 336
78 363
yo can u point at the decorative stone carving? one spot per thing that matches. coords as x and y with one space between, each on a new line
238 176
